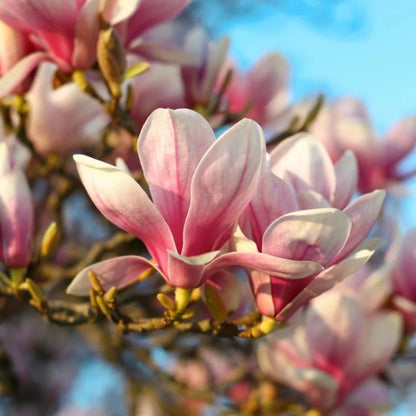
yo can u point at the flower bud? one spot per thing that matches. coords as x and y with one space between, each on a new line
49 239
111 59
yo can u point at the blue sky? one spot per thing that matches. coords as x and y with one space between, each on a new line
363 48
373 58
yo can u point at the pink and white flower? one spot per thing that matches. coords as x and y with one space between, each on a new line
199 187
346 125
16 207
263 90
296 214
332 357
62 119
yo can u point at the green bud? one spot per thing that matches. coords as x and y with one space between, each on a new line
166 301
95 283
49 239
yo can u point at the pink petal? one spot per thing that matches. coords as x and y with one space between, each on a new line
217 54
273 198
188 272
228 288
304 162
315 235
222 186
86 36
16 75
372 395
122 201
115 11
332 275
16 219
375 347
346 172
334 322
309 199
268 84
154 50
78 119
265 263
400 141
363 213
171 145
119 272
353 128
151 13
40 15
166 79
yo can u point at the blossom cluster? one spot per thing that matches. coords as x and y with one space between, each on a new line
234 193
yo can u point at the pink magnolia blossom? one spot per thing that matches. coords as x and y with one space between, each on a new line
199 187
62 119
346 125
403 278
264 90
16 208
296 214
67 31
333 356
200 79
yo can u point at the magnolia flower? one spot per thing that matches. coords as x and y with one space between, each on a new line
292 217
263 91
332 357
346 125
199 79
67 31
403 279
199 187
16 208
62 119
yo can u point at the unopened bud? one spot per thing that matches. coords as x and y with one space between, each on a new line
79 78
214 303
49 239
188 314
195 295
111 295
95 283
93 301
111 59
166 301
103 306
182 296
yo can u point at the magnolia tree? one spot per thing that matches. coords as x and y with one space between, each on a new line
154 197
